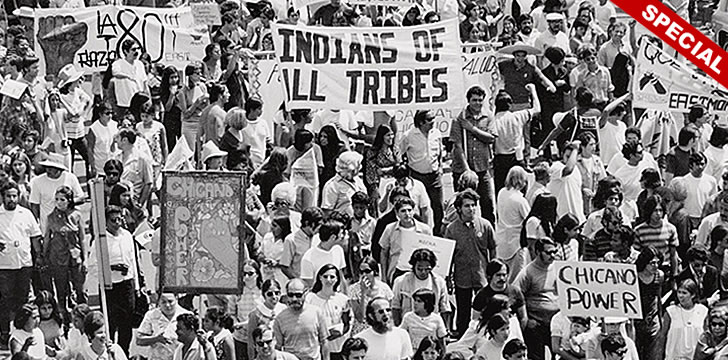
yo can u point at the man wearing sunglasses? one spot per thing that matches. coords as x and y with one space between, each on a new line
300 328
609 343
265 345
614 347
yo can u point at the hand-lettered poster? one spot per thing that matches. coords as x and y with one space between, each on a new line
200 243
304 177
443 249
91 38
598 289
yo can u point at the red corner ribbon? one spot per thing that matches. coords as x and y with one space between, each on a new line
680 35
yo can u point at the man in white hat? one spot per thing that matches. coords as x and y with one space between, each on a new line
553 36
43 188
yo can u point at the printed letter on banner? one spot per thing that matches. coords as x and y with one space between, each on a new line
676 32
416 67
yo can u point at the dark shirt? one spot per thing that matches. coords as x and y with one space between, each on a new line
324 15
473 245
595 249
677 162
707 285
485 294
515 80
236 158
267 180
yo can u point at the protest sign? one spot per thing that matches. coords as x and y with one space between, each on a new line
91 38
265 83
200 241
205 12
443 249
598 289
661 81
479 68
402 3
370 68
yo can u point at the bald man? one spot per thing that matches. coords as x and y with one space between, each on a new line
300 328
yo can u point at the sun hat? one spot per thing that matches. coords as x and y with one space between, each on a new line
54 160
68 74
210 150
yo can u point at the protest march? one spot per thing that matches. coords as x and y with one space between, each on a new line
363 180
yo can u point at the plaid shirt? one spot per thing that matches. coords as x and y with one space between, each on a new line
477 153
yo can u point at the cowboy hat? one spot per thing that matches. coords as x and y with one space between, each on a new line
67 75
210 150
519 46
55 161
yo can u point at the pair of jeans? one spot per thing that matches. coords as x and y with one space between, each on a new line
14 293
433 184
120 302
464 303
647 334
66 278
485 190
536 339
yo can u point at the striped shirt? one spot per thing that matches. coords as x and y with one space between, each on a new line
662 238
596 248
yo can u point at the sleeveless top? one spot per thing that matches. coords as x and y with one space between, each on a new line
650 295
102 147
684 332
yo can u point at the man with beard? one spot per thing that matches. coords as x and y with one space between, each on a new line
497 273
528 35
537 281
300 328
265 344
385 341
19 236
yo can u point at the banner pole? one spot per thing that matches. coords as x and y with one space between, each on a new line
98 220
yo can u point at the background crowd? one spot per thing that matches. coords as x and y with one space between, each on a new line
557 167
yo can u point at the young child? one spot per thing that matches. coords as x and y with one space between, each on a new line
423 321
578 336
51 322
515 349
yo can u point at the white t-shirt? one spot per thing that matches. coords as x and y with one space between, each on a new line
394 345
37 350
611 140
630 177
419 327
699 191
257 134
126 88
43 192
16 229
104 139
567 190
604 13
512 208
315 258
618 161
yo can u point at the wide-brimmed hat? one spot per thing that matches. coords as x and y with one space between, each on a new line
54 160
211 150
519 46
68 74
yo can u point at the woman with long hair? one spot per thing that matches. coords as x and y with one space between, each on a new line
21 171
511 211
381 160
211 69
658 232
566 234
429 348
246 303
64 249
134 214
331 147
326 295
651 279
591 168
368 287
608 192
497 332
683 322
271 248
193 99
714 338
271 173
263 314
172 111
539 222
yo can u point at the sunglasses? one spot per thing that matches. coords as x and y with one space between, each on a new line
248 273
295 295
108 113
384 311
552 252
264 343
272 293
366 271
717 324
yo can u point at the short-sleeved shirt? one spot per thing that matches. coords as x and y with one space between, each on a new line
138 172
301 332
16 229
419 327
391 242
509 128
477 153
394 345
134 82
663 238
257 134
473 242
294 246
337 193
423 151
515 80
315 258
332 309
43 192
156 322
599 81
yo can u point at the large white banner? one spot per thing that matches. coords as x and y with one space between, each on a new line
661 82
418 67
91 38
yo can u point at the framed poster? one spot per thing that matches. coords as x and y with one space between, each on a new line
200 239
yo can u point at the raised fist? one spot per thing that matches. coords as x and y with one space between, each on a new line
60 37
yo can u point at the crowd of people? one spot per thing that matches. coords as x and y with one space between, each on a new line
557 169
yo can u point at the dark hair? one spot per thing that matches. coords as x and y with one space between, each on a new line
328 229
494 266
495 323
719 137
625 234
23 315
360 197
696 112
686 134
398 191
10 185
253 103
400 172
341 217
114 164
651 203
254 264
645 256
474 91
651 178
67 193
21 355
554 54
20 156
697 252
426 343
541 244
382 131
612 343
113 209
284 222
116 191
318 285
208 53
718 234
629 149
353 344
427 296
311 216
269 284
216 91
467 194
503 101
421 117
543 209
423 254
567 222
80 310
301 138
128 134
373 264
584 97
606 187
298 115
696 158
513 346
493 306
27 62
190 321
219 317
259 330
126 45
31 133
334 144
277 161
94 321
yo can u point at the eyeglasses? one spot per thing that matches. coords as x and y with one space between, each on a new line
272 293
108 113
716 323
295 295
366 271
248 273
384 311
551 252
264 342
